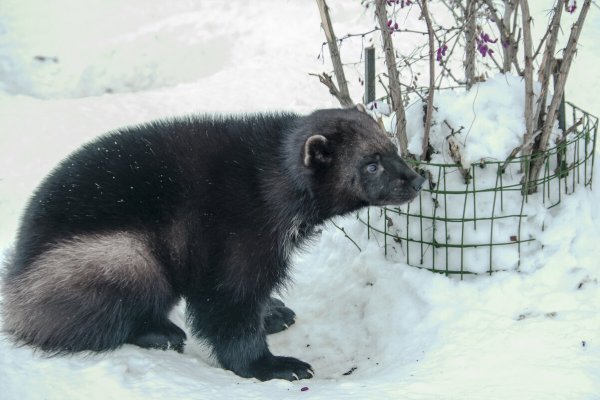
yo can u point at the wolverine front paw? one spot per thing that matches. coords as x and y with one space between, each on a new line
274 367
278 317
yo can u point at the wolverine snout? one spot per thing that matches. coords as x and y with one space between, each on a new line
417 183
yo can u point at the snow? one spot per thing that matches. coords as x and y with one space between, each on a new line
497 98
407 332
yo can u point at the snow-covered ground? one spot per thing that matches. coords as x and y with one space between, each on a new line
372 328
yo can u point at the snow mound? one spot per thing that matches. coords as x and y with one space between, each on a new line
485 121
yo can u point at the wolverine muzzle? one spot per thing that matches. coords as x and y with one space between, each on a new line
417 183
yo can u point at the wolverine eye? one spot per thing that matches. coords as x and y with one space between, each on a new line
372 168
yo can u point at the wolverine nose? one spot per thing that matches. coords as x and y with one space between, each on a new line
417 183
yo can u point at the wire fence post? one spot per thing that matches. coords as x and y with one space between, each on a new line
369 75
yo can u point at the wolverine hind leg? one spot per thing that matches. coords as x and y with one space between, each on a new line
92 292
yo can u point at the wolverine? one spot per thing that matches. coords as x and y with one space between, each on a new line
204 208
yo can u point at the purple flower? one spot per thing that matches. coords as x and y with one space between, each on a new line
441 52
486 38
570 6
392 26
484 50
482 40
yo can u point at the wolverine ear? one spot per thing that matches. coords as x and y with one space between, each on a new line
317 150
361 107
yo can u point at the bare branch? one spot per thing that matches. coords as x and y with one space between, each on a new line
429 111
528 49
470 36
548 61
393 77
559 89
496 63
333 90
520 148
515 61
383 85
343 94
571 129
509 46
543 40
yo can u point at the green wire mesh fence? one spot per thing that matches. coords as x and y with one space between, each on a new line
481 220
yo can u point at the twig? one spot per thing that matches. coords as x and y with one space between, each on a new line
543 39
496 63
452 130
572 128
454 150
349 35
346 235
449 55
452 9
506 34
411 89
517 149
333 90
383 85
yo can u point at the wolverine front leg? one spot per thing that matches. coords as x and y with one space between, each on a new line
236 332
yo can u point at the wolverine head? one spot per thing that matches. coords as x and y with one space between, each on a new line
352 162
